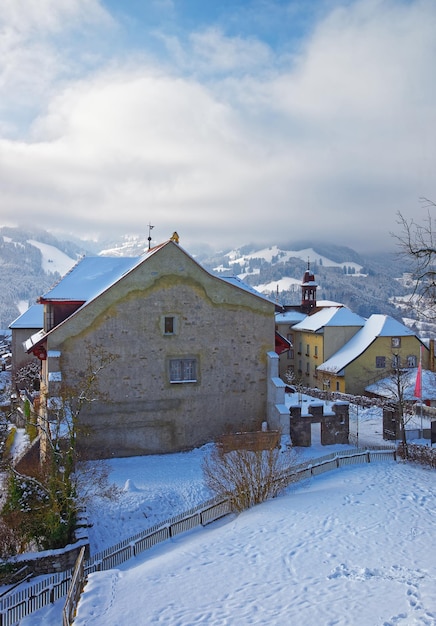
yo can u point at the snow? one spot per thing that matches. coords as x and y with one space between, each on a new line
375 326
91 276
330 316
284 284
32 317
285 255
350 547
353 546
386 387
53 259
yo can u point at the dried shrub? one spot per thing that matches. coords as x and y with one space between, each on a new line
418 454
248 477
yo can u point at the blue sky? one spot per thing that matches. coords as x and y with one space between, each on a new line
230 121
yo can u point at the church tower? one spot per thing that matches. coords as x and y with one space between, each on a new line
308 291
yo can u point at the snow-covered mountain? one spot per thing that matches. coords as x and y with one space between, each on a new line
275 255
53 260
31 261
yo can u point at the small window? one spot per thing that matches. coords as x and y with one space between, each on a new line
380 362
396 361
183 370
337 385
396 342
316 351
411 361
169 325
49 317
291 354
307 350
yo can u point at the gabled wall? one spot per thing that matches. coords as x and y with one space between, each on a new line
363 372
226 329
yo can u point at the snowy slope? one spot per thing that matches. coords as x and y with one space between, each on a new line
53 259
268 254
348 548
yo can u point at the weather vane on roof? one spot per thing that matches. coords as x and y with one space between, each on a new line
150 228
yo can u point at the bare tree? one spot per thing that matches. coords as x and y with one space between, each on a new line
418 243
46 498
394 388
248 477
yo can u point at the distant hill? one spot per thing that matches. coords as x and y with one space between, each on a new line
31 261
365 284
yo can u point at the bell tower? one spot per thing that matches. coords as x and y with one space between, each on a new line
308 291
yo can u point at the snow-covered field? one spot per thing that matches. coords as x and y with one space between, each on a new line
352 547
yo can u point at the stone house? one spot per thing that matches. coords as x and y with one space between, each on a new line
190 351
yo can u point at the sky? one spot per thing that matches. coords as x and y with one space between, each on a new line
230 122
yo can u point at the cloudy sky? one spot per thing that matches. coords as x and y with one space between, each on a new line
230 121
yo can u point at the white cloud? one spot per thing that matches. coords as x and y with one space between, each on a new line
212 51
41 43
330 145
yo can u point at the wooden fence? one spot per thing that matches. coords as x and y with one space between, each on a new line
14 607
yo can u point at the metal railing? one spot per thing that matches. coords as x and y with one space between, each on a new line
14 607
74 590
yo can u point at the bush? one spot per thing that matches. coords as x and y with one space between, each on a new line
31 428
9 443
418 454
248 477
10 542
42 510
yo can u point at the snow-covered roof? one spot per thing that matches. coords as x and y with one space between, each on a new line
34 339
386 388
324 303
330 316
237 282
89 277
375 326
32 318
289 317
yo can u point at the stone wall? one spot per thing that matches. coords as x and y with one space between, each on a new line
335 425
226 329
47 561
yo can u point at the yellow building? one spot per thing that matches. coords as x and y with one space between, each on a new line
380 346
320 335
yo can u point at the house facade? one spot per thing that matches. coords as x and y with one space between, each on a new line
381 345
26 324
320 335
188 351
334 349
